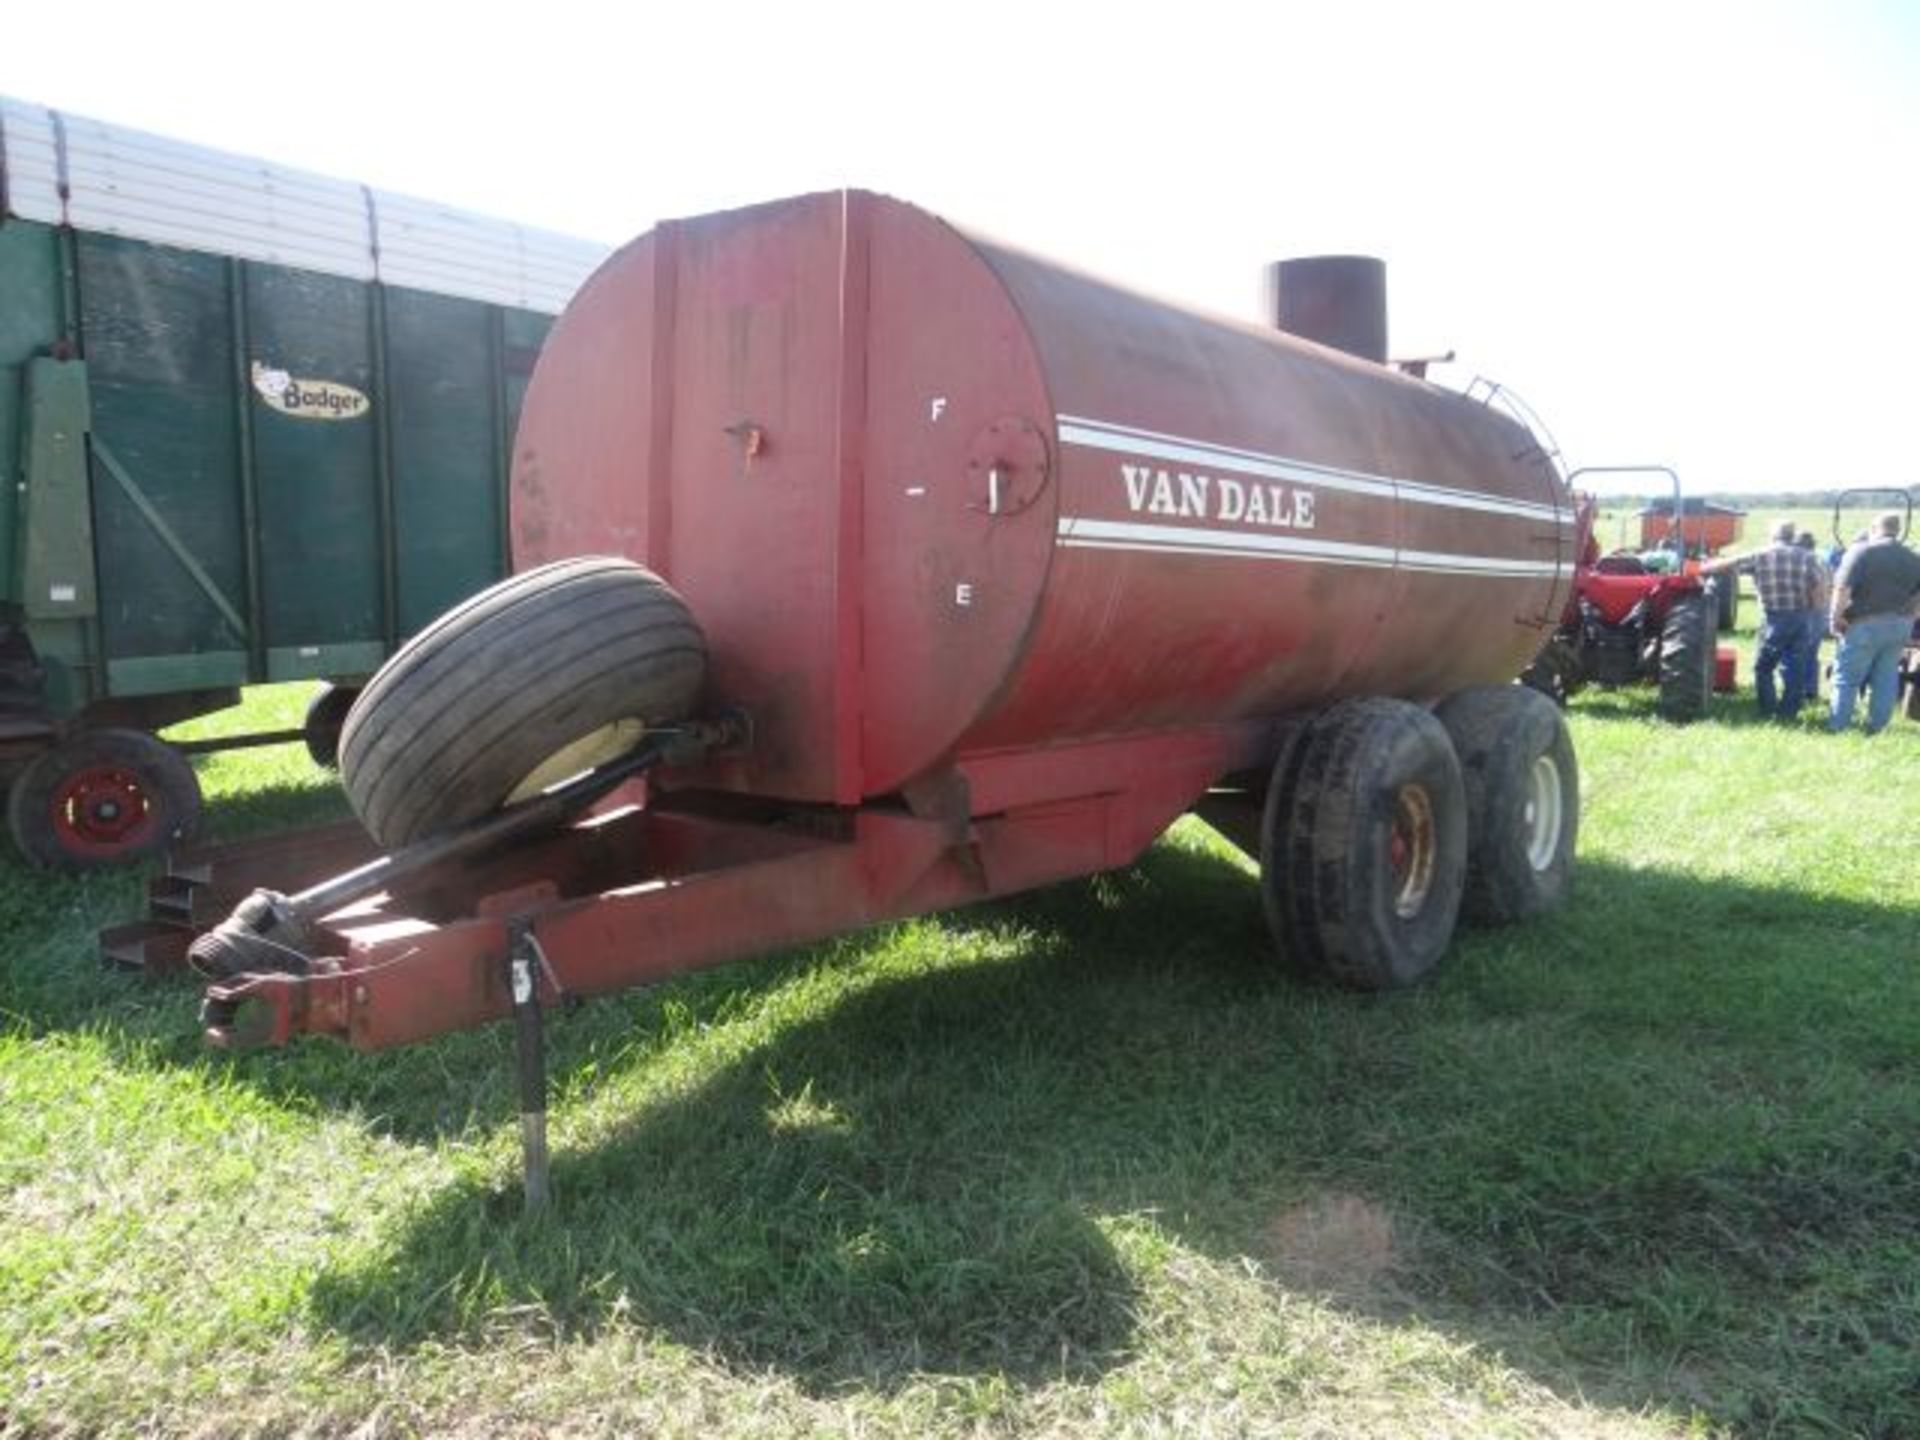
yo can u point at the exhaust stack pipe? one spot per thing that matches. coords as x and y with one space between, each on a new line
1334 300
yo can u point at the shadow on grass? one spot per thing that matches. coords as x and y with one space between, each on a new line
1649 1176
1738 710
1656 1150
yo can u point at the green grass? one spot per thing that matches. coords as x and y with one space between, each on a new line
1081 1162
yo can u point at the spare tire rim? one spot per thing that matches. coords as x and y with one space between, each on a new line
102 810
589 752
1412 846
1541 816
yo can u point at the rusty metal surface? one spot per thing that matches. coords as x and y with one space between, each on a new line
1336 300
152 946
1007 565
680 890
1072 511
198 886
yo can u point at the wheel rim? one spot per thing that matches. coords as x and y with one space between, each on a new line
102 810
589 752
1412 846
1542 814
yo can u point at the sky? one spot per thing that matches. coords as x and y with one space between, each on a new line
1688 233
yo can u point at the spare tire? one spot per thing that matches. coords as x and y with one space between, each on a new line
539 677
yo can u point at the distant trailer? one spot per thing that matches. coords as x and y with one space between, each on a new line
256 425
1706 527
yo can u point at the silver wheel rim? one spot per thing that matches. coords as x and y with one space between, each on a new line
1541 816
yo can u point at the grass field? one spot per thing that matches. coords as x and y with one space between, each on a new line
1080 1163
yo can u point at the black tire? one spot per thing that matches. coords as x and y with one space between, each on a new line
537 666
1364 845
1523 801
1555 672
1686 659
102 797
1726 598
326 714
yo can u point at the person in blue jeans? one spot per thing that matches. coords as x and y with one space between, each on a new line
1790 582
1875 597
1810 657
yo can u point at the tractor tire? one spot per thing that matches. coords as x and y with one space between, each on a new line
1523 801
1363 846
535 679
1555 672
1686 660
103 797
1726 599
326 714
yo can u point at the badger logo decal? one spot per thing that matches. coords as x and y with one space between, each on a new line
308 399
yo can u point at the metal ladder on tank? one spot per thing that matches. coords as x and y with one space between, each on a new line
1495 396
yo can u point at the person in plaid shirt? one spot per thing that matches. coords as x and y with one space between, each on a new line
1791 583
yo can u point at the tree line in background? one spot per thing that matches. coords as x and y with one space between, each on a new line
1810 499
1761 502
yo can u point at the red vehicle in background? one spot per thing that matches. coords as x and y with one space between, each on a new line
1706 529
1635 617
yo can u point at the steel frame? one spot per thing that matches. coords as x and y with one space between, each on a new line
636 894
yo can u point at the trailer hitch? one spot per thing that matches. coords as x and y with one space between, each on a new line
271 933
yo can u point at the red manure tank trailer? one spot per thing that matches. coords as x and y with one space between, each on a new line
907 569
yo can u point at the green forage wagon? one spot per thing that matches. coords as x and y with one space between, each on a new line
255 426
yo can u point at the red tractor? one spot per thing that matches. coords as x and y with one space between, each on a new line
1634 617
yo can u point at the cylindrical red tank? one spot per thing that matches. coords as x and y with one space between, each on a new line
929 495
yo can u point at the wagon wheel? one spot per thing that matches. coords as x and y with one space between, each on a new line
103 797
326 714
1523 800
1364 845
1555 672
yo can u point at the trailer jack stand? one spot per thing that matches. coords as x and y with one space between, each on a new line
524 965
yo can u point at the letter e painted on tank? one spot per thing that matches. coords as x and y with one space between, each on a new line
1303 509
1233 499
1136 477
963 594
1193 495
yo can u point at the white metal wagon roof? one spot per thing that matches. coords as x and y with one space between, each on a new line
67 169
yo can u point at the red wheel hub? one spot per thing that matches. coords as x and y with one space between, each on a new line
102 810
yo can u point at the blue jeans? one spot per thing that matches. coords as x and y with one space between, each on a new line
1869 655
1810 670
1786 643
